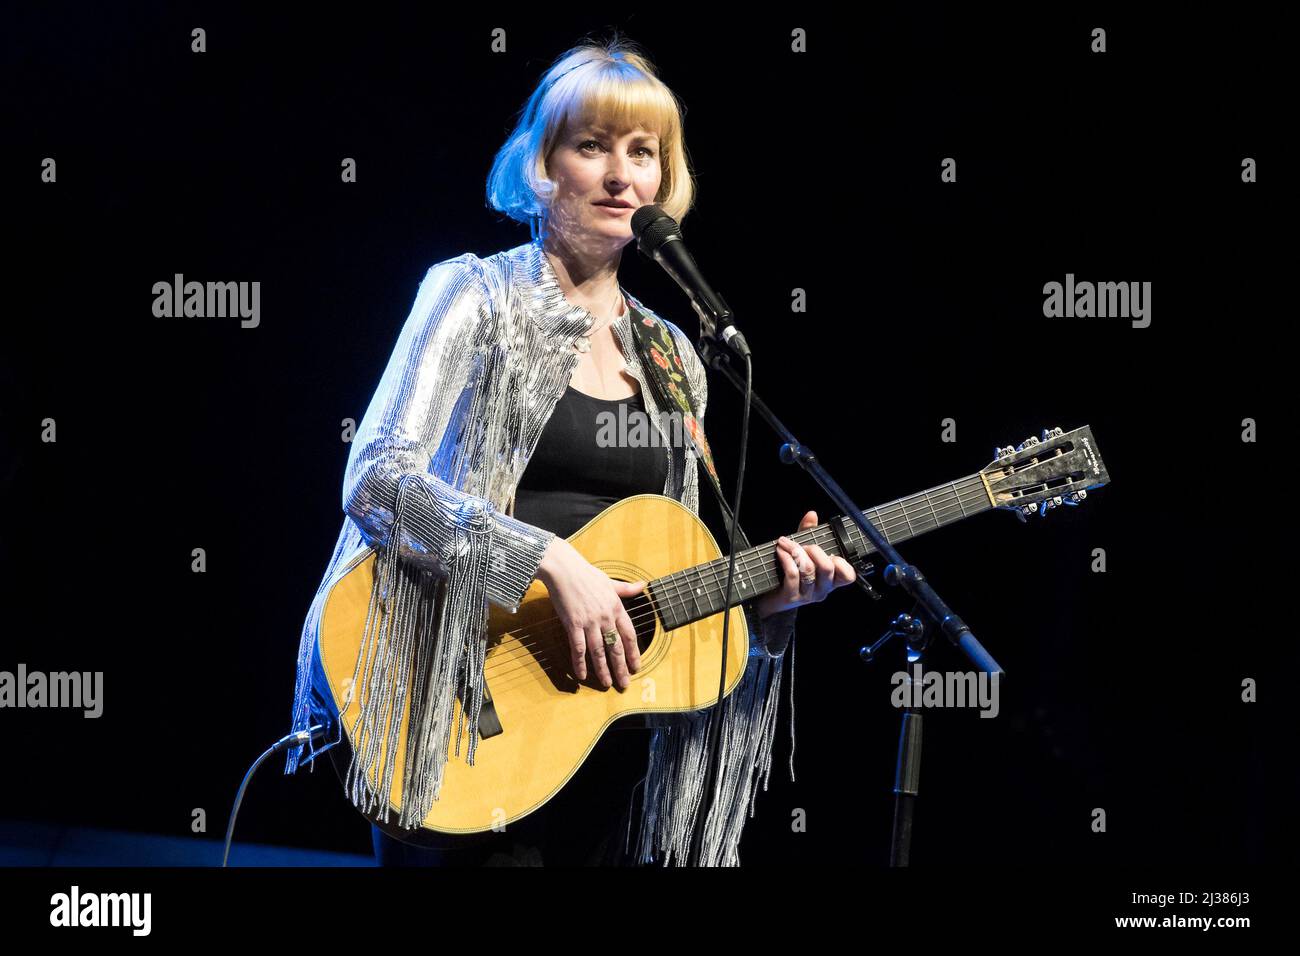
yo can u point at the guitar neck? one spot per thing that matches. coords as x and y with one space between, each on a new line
698 592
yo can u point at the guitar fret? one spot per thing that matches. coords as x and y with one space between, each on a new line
908 519
742 585
701 585
717 593
695 595
934 513
744 580
679 604
715 589
690 599
758 571
883 527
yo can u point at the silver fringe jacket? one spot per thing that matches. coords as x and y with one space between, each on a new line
478 368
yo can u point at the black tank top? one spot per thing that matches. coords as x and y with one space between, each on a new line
585 460
580 467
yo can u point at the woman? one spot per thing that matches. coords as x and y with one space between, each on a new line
477 458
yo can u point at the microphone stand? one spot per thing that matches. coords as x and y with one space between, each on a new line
898 573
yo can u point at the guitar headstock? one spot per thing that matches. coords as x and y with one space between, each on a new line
1057 468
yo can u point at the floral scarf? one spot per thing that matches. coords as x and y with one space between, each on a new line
664 368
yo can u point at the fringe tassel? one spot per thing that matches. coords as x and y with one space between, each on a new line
678 766
791 652
405 651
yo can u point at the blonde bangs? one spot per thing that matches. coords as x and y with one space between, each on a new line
618 104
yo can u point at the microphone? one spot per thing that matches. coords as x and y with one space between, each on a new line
660 238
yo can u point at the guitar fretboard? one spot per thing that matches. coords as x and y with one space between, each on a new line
698 592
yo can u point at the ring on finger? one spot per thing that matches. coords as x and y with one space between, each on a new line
611 637
806 580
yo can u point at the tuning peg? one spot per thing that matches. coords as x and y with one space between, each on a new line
1029 442
1075 498
1053 433
1023 513
1000 453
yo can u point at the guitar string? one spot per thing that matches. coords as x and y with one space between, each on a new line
521 643
761 556
973 491
672 592
549 633
527 650
518 648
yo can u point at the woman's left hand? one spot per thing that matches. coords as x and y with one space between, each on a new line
809 574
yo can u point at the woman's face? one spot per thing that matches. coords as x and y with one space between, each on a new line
593 166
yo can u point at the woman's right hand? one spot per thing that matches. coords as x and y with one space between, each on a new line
588 603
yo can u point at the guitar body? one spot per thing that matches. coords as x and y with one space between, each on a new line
549 721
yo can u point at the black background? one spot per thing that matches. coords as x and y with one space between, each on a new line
817 171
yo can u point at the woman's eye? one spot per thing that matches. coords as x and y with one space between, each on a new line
649 153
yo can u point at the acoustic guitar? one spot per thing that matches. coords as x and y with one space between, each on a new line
542 721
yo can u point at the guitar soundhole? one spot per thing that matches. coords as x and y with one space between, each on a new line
641 611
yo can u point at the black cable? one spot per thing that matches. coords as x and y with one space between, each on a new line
715 729
301 737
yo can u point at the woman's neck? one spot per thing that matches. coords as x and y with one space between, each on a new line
589 280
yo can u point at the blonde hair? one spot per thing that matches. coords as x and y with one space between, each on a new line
611 82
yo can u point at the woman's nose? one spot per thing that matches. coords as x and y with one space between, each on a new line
617 174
